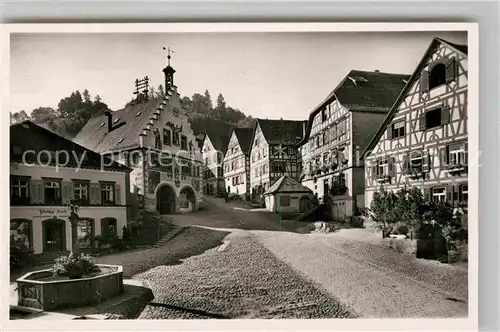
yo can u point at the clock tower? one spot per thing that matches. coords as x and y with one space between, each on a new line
169 72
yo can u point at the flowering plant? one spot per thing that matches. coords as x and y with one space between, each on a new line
74 266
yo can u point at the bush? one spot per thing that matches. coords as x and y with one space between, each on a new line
74 266
357 222
20 257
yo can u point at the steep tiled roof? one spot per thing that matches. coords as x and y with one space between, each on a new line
244 136
219 133
95 136
287 184
362 91
30 136
282 131
414 77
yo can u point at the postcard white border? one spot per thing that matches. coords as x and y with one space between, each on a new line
465 324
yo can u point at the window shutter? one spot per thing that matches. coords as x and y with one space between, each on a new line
457 195
445 115
405 164
94 194
449 194
426 161
35 191
67 192
443 156
451 70
421 122
391 166
117 194
424 81
427 194
389 132
374 172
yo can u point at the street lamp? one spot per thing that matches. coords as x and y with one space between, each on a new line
73 219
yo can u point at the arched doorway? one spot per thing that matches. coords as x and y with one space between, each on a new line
187 198
54 235
305 204
165 200
109 228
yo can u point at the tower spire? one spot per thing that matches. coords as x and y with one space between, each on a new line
169 71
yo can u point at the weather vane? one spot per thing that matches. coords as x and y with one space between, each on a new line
169 52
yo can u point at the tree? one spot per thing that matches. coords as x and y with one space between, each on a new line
161 91
86 96
97 99
18 117
43 115
208 100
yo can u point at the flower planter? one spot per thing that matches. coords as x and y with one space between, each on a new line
40 290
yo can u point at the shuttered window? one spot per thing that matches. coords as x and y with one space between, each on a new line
107 193
81 192
52 192
19 191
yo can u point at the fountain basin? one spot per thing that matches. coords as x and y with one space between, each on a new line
41 290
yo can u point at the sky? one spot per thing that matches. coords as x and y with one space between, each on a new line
266 75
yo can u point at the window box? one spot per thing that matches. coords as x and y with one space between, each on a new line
455 169
383 178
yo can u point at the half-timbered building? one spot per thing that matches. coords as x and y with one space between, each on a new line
214 148
47 172
273 152
155 138
423 140
338 130
237 162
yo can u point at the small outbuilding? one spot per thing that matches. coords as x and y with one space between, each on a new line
288 195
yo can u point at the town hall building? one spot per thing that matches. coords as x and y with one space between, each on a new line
155 139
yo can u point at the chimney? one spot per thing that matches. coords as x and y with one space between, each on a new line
110 120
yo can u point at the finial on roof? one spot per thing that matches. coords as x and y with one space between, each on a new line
169 51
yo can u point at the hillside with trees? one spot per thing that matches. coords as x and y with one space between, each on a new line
74 111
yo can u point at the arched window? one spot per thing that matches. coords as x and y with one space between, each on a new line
437 76
21 234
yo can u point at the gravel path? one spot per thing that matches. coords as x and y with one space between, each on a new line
243 281
375 281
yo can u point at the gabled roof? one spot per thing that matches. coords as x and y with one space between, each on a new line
219 133
244 136
287 132
414 77
288 185
363 91
95 136
30 136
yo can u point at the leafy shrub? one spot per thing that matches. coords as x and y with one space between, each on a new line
357 222
20 257
74 266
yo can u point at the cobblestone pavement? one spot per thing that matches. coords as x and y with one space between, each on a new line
375 281
244 280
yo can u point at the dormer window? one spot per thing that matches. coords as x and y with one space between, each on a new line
102 124
138 113
116 120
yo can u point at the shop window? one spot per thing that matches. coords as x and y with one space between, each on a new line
20 234
85 233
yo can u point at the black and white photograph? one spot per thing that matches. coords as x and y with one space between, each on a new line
253 174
